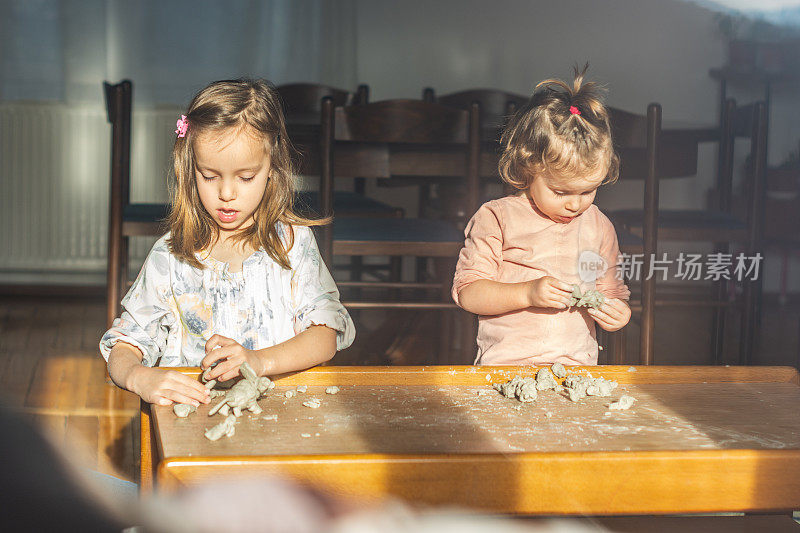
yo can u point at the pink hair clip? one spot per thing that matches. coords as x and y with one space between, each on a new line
182 125
574 110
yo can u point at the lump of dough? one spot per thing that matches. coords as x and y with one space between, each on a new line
624 402
591 298
523 389
182 410
579 387
558 370
313 403
226 427
545 380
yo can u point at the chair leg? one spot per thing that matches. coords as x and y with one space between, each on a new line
647 334
618 345
748 318
116 281
124 267
751 310
356 267
719 313
112 278
469 335
395 274
718 323
421 268
447 317
797 363
423 201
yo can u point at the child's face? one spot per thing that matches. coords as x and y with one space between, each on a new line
231 171
562 200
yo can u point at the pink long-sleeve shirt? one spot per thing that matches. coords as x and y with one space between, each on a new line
510 241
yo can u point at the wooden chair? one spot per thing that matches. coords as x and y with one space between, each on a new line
718 226
497 107
637 140
302 104
409 138
124 218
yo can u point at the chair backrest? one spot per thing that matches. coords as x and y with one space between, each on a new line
496 105
373 136
401 122
302 98
119 102
637 139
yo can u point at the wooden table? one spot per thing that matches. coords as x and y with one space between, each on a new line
698 439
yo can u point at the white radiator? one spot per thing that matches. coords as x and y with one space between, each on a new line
54 183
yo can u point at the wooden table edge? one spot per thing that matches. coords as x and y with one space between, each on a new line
694 479
476 375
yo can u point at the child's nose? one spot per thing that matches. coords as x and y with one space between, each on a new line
227 190
573 204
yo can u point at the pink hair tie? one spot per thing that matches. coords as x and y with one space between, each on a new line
574 110
182 125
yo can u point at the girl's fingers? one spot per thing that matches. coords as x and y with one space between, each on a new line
197 389
161 400
598 314
216 341
610 311
614 303
558 298
212 343
186 390
180 397
562 287
605 322
230 374
226 369
216 356
558 302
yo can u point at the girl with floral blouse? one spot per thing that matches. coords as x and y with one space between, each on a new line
239 277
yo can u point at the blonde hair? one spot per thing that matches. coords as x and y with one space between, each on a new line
562 130
246 104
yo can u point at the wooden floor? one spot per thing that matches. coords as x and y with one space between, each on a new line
51 370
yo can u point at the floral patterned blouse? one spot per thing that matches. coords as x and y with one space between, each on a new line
173 308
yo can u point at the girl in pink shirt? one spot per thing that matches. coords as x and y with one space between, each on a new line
524 253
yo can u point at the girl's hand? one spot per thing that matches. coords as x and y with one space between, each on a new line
162 386
229 356
612 315
549 292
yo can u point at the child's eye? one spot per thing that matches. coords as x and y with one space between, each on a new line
247 178
208 178
559 193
